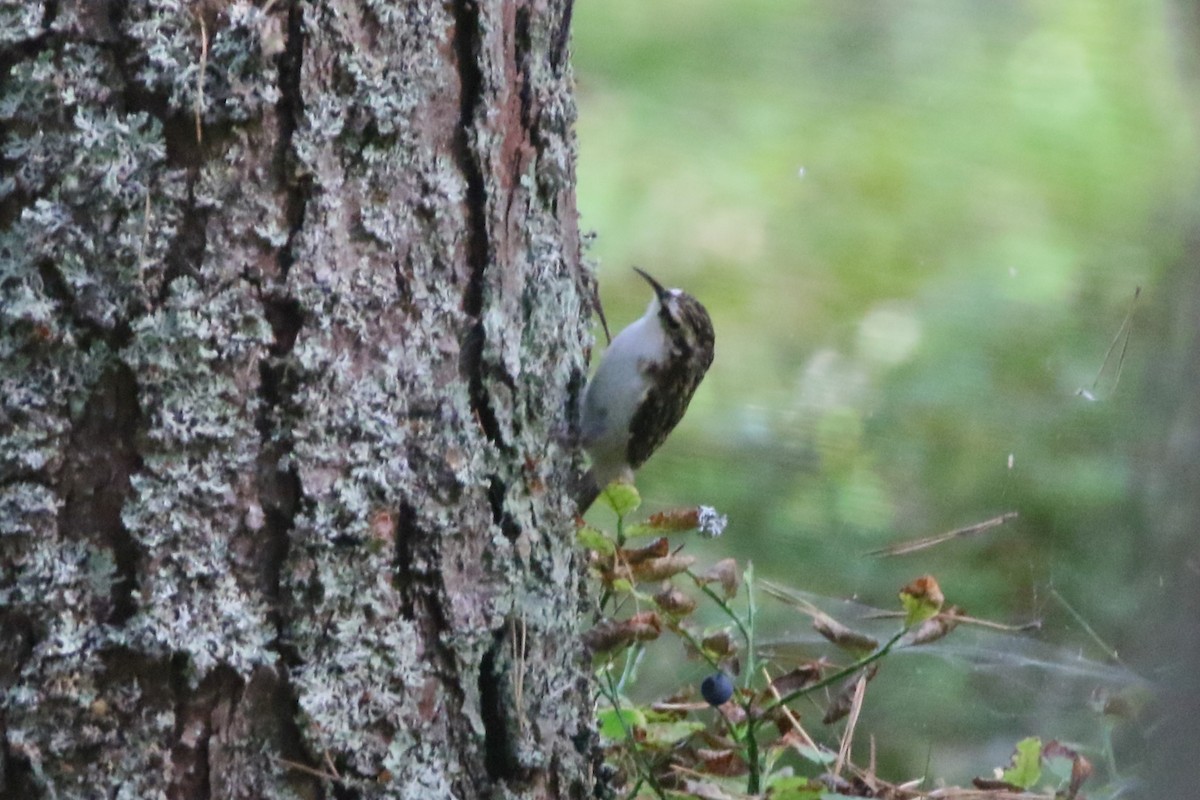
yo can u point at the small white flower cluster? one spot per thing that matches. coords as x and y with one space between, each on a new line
710 523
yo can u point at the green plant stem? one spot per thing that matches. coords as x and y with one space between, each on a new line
1109 754
646 773
712 662
748 630
1088 629
754 778
620 543
632 655
697 646
840 674
729 612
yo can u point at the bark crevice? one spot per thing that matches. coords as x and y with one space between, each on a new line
562 37
96 481
185 255
501 516
279 488
195 722
501 732
475 210
289 112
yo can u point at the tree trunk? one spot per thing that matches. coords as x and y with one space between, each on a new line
293 318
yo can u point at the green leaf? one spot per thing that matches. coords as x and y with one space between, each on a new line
1027 763
668 733
613 723
820 757
794 787
622 497
641 530
594 539
622 586
921 600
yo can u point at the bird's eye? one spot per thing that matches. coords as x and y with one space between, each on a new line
672 323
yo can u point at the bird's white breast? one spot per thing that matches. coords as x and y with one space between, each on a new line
616 390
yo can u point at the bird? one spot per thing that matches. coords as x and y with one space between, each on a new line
643 386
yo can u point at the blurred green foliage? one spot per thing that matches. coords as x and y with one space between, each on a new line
918 227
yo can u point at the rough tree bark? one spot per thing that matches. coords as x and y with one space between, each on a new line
293 313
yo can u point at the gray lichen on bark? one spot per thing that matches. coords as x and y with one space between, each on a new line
293 314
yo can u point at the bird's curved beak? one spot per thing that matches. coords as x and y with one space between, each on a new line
658 287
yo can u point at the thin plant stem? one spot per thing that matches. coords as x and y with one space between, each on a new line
748 630
1088 629
754 778
729 612
643 766
697 646
632 656
840 674
1109 754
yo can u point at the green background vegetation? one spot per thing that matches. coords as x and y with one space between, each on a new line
918 227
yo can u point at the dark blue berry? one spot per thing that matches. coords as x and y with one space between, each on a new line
717 689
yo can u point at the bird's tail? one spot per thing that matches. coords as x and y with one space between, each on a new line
585 490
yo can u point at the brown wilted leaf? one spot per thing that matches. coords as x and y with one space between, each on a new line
925 589
624 565
798 678
637 555
936 627
720 644
733 712
1081 768
726 573
847 787
991 785
613 634
677 706
674 520
844 637
844 699
645 625
658 569
675 602
726 763
856 786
